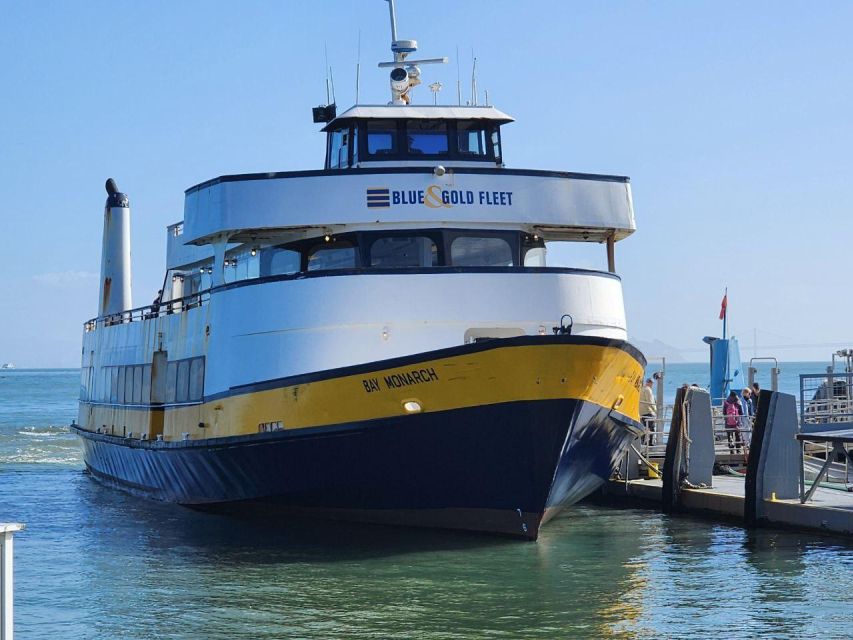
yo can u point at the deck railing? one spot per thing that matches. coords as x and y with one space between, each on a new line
150 311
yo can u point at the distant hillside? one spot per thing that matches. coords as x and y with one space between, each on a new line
657 349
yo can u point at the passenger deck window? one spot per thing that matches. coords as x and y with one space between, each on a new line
146 384
278 261
472 251
171 381
183 381
337 255
398 252
196 379
381 137
426 137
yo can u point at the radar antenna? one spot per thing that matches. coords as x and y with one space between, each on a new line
405 74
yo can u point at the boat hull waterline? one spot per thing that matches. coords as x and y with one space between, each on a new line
495 467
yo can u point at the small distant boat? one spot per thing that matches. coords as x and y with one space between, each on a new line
7 365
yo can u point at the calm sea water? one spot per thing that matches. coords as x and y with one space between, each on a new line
95 563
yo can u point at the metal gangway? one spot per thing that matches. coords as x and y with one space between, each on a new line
826 407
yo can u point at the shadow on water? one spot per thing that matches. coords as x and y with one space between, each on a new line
253 538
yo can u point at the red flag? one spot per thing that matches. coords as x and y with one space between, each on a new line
723 306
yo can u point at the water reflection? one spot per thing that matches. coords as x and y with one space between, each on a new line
96 563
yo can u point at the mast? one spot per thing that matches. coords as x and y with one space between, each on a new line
405 74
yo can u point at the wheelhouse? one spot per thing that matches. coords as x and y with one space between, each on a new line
364 136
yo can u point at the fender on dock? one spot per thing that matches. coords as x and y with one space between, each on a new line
774 455
690 448
673 463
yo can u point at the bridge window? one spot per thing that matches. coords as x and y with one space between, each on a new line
473 251
409 251
381 137
426 137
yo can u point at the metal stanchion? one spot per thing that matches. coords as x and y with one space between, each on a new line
7 531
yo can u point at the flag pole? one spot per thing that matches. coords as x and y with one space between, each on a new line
725 312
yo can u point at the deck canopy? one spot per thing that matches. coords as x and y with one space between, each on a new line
555 205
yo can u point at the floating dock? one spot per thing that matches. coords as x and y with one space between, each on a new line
773 491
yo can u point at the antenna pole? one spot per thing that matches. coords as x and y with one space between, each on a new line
332 80
326 57
458 79
393 20
474 82
358 67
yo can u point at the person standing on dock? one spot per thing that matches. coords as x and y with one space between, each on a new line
733 410
648 410
748 402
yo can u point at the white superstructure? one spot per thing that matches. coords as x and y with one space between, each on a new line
415 236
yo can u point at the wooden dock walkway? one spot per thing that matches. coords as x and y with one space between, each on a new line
772 493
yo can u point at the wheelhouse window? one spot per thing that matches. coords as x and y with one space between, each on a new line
474 251
472 140
339 254
404 251
426 137
381 138
413 139
339 148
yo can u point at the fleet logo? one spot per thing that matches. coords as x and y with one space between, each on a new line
435 197
378 197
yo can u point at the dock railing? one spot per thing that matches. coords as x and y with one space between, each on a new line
7 532
731 444
826 401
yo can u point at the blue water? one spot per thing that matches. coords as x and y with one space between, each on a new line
699 373
96 563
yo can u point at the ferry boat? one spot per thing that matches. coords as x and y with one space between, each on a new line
382 339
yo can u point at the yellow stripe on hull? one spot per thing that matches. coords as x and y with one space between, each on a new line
605 375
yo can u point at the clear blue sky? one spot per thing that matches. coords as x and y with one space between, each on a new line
733 121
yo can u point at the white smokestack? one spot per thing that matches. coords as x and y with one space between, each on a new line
115 294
